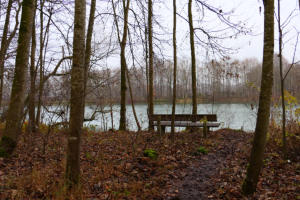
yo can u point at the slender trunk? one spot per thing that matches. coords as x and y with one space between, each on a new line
4 47
129 84
150 37
14 114
132 101
123 61
41 84
88 45
111 109
44 39
193 57
175 68
77 96
263 115
147 68
31 107
123 89
284 147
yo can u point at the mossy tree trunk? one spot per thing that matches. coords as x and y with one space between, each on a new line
175 68
263 115
14 114
77 96
151 56
193 57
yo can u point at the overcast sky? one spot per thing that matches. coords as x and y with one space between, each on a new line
243 10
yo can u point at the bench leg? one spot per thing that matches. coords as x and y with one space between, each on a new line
205 130
163 129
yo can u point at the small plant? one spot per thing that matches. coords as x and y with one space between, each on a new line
202 150
88 156
150 153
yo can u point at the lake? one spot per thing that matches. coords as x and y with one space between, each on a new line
234 116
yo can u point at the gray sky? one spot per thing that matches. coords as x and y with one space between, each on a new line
245 11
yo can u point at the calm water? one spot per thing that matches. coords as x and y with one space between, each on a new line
235 116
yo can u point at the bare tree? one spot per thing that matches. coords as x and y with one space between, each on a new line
175 68
88 45
5 42
77 95
150 42
281 73
262 122
14 116
32 92
193 57
122 42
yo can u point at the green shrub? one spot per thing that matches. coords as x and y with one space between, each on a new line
202 150
150 153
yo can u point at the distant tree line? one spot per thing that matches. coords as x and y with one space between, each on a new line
227 80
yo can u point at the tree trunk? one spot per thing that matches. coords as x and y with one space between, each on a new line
193 57
132 101
88 45
14 114
175 68
147 68
129 84
41 84
31 107
4 47
122 126
263 115
284 147
150 37
77 96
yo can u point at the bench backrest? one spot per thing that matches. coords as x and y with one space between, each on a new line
183 117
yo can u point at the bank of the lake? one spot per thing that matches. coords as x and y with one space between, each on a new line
234 116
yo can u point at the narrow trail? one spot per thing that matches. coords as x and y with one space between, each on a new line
197 183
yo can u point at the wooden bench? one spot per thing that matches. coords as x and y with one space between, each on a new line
184 120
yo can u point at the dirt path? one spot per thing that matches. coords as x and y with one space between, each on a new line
197 184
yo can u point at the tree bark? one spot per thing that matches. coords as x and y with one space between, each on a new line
77 96
41 83
175 68
88 45
14 114
32 92
122 42
193 57
262 123
4 47
150 37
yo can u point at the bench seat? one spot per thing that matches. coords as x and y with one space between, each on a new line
185 120
186 124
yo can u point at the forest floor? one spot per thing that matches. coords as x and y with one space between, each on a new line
114 166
